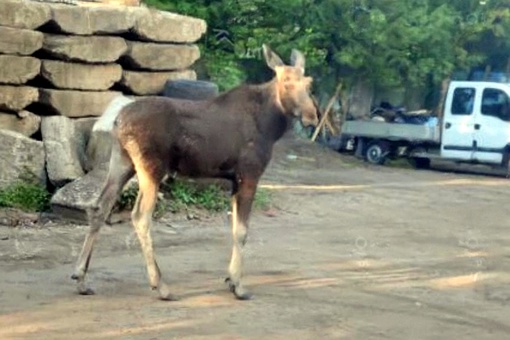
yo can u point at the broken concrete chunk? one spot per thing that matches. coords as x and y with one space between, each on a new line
16 98
76 76
17 69
146 83
19 41
159 26
23 122
161 57
76 104
62 145
23 14
20 156
89 49
92 20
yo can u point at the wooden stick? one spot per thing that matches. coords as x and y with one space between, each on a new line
329 124
326 112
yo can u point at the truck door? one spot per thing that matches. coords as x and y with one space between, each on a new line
457 139
492 125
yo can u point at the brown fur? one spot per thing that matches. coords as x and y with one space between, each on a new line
229 137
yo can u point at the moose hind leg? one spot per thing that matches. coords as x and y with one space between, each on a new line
120 171
142 221
241 207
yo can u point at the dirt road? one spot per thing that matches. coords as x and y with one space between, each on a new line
353 252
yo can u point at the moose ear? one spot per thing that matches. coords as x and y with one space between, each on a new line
297 59
272 59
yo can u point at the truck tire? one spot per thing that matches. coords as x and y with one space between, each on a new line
376 152
420 162
190 89
506 161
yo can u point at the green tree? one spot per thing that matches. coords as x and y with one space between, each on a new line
387 43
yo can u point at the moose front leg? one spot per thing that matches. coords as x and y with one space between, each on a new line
242 200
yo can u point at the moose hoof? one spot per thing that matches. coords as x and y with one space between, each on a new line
239 292
82 290
165 294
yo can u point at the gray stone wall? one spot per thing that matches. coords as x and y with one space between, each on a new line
60 67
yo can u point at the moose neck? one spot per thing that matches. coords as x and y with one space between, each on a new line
272 119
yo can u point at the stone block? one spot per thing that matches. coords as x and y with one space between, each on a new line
160 57
19 41
146 83
19 156
77 104
159 26
16 98
72 200
23 14
23 122
62 144
90 49
18 70
76 76
92 20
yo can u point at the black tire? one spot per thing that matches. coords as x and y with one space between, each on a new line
190 89
420 162
377 152
506 162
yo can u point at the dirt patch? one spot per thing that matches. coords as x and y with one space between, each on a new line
352 252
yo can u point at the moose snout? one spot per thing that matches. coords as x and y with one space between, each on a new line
309 117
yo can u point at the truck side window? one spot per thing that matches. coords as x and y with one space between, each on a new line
463 99
496 103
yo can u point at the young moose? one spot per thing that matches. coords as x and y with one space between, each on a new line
229 137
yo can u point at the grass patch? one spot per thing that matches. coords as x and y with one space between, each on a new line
127 200
263 199
25 196
182 195
401 163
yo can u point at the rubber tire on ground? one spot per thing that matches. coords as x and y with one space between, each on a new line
376 152
420 162
190 89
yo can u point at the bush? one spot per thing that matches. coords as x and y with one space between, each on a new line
25 196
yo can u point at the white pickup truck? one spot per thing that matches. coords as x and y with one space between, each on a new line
475 128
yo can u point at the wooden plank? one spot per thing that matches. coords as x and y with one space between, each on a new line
326 113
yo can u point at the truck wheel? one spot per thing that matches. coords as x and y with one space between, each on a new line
506 162
419 162
377 152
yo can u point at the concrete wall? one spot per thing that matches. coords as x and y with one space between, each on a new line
69 61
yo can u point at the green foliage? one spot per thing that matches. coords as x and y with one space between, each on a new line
181 195
26 196
263 199
185 194
127 200
391 43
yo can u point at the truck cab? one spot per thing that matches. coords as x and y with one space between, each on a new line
476 122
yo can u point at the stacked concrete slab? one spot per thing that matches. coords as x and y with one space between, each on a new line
60 67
